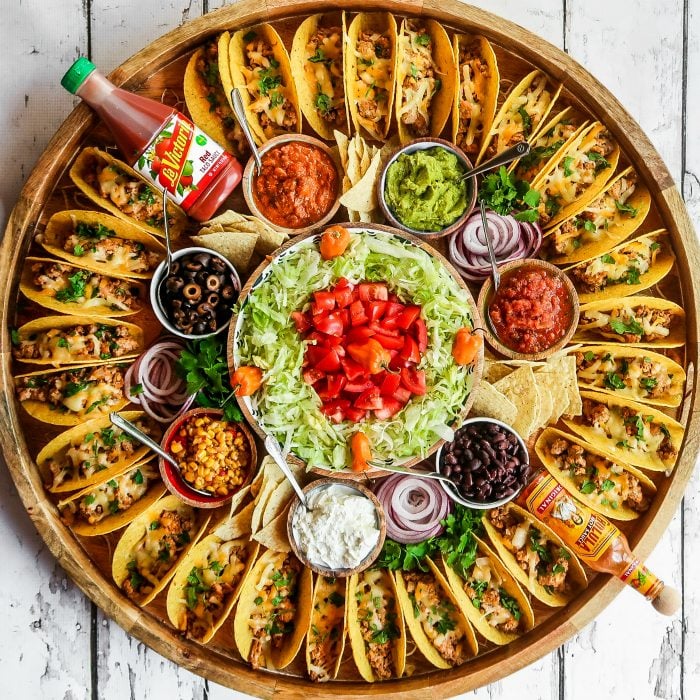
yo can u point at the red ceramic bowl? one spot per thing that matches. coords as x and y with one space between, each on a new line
174 480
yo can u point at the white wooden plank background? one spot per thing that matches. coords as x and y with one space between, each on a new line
55 644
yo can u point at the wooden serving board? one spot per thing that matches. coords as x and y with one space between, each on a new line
157 72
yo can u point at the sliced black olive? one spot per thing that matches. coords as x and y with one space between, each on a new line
213 282
189 274
199 328
228 292
192 292
174 283
205 309
186 327
213 299
193 265
176 304
175 267
217 265
203 259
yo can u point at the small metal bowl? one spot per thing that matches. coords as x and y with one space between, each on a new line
160 312
454 493
423 145
249 175
369 558
174 480
486 295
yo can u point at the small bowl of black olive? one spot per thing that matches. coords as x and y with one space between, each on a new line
487 461
196 299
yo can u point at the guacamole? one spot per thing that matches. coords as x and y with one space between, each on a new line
424 191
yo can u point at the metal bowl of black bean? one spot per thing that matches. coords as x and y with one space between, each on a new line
487 461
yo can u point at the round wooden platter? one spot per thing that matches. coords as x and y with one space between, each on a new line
157 72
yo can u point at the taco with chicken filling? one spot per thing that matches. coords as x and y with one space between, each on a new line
153 545
434 617
317 66
207 584
92 452
491 598
476 92
370 73
637 321
75 290
612 488
274 610
632 373
629 432
325 640
118 188
425 79
72 395
535 555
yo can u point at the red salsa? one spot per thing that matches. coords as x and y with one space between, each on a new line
531 311
297 186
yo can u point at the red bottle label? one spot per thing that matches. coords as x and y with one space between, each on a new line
183 160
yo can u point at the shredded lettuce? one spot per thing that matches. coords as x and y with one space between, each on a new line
289 408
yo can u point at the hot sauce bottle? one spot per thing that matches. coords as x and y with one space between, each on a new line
159 142
598 542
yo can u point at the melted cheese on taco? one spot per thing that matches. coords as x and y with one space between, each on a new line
327 630
324 69
545 146
628 322
373 80
474 84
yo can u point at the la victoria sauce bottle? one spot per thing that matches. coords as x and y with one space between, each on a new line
159 142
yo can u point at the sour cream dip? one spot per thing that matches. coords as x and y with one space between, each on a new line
340 530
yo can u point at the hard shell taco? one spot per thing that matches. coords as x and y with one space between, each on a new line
207 100
627 269
93 451
72 395
434 617
153 545
260 69
317 66
376 626
610 487
273 611
535 555
637 321
426 76
67 340
629 432
370 73
74 290
119 189
521 116
631 373
491 598
325 640
577 175
476 92
207 584
615 214
114 502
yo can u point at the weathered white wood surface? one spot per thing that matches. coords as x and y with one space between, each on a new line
54 644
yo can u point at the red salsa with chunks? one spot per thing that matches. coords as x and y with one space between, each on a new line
531 311
363 349
297 186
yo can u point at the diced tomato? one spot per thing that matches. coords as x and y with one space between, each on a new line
301 321
409 351
355 414
343 296
345 316
390 323
358 317
396 362
312 375
332 324
353 371
374 310
334 385
373 291
359 386
380 327
390 384
315 353
408 316
390 408
325 301
340 350
393 297
343 283
333 341
402 395
335 410
393 308
369 400
421 333
330 363
358 335
390 342
413 380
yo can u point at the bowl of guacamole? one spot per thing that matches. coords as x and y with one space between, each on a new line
421 189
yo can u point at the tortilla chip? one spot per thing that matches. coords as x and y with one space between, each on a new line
236 526
494 370
342 140
490 403
550 382
546 399
520 387
274 534
363 195
278 501
237 247
226 219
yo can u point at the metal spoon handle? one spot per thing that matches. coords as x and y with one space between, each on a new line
273 449
489 245
130 429
518 151
403 470
239 111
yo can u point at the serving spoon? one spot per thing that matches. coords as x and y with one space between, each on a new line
168 250
522 148
238 110
273 449
495 274
388 467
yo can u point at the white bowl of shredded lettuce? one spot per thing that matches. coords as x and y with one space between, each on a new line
289 409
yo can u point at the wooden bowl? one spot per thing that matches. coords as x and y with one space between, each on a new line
369 558
423 145
486 294
175 482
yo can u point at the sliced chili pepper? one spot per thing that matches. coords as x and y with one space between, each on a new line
334 241
246 380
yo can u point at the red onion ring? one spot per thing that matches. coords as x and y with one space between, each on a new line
413 507
512 240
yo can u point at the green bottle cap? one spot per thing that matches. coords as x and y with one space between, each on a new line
76 74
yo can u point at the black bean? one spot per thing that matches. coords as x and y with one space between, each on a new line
447 471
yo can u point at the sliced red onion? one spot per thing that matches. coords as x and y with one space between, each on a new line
413 507
164 393
512 240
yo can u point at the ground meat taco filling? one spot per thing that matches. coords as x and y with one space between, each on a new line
325 63
373 79
474 78
633 325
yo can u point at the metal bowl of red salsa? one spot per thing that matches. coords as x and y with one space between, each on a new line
298 188
533 314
